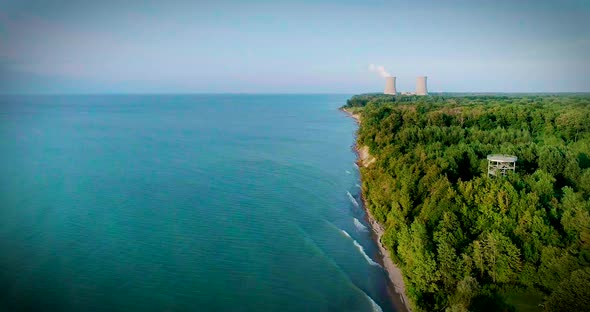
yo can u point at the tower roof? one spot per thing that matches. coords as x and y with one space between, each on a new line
502 158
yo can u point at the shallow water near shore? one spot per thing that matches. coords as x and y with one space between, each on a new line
174 203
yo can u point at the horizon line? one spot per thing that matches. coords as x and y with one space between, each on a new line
281 93
286 93
271 93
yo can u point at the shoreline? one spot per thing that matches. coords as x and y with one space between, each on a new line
396 286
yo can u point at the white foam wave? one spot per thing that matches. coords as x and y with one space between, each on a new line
347 172
357 166
345 234
354 202
359 225
374 306
362 250
358 185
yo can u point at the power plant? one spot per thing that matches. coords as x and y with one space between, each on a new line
421 86
390 86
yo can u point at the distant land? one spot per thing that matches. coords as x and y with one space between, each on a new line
513 94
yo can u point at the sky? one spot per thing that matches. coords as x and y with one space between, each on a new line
322 46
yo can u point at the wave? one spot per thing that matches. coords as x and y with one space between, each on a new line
347 172
354 202
359 225
362 250
345 234
357 166
374 306
358 185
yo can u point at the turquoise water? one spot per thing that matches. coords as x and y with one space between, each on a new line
182 203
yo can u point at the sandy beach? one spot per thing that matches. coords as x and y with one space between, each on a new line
395 275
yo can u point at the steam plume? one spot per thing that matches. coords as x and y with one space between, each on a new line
379 69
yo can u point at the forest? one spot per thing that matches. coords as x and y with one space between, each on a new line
466 241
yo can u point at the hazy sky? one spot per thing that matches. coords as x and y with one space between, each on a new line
131 46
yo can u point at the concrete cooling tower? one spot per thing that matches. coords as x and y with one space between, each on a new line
390 86
421 86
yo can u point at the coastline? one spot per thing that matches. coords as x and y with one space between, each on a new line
397 286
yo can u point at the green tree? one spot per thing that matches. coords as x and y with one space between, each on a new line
572 294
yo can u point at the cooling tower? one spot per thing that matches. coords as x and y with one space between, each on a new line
390 86
421 86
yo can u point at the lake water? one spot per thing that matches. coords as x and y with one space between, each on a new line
183 203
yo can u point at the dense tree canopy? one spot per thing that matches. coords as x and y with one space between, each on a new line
464 240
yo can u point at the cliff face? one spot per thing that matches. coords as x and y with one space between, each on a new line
365 159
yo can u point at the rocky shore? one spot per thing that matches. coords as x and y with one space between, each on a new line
395 275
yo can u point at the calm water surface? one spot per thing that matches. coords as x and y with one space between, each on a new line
182 203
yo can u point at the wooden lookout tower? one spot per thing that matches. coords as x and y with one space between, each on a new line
500 164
